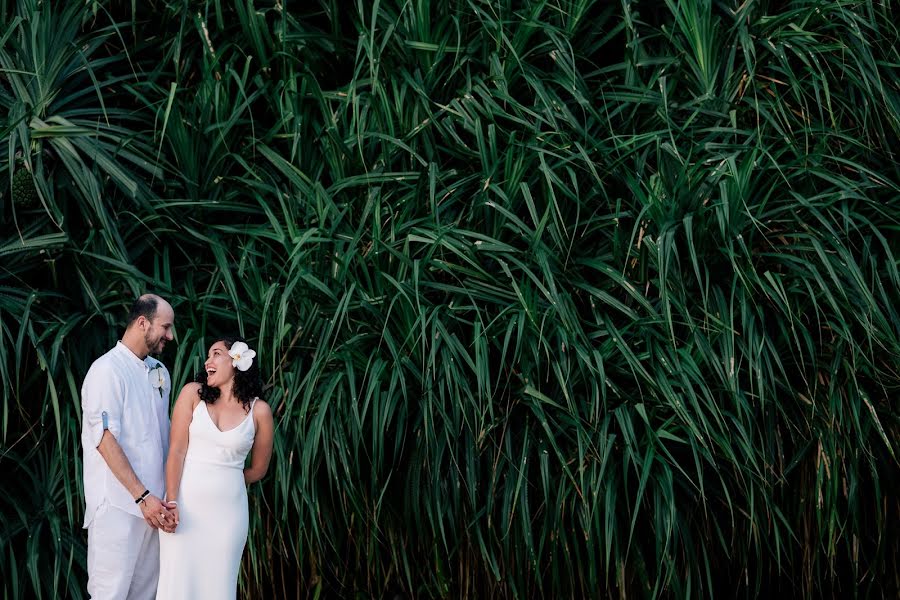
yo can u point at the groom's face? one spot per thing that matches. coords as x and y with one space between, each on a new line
160 329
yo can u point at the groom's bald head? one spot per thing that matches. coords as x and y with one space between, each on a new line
145 306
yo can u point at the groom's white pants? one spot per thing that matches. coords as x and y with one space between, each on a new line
123 556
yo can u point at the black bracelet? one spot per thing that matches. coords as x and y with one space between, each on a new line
142 496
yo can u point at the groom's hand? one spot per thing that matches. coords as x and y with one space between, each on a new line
157 515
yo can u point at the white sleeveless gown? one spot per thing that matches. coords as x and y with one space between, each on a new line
200 560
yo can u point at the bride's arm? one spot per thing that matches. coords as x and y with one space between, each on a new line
182 415
261 452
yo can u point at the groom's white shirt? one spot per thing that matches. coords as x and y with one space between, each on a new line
118 383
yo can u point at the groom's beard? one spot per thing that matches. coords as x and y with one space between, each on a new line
154 345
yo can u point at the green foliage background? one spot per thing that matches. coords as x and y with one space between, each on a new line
555 298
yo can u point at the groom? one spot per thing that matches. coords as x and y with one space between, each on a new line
125 434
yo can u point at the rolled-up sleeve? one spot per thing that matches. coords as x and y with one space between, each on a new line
101 394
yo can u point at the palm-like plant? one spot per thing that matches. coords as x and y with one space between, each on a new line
557 299
77 167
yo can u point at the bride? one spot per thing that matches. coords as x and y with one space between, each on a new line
215 423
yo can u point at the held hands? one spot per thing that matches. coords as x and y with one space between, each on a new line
157 514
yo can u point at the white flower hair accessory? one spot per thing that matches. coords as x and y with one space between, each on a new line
241 356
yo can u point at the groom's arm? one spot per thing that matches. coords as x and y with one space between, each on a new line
103 399
118 463
156 515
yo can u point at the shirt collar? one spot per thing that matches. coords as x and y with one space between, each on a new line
131 355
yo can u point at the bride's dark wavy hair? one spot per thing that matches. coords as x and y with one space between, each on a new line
247 384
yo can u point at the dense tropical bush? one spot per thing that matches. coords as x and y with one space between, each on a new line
555 298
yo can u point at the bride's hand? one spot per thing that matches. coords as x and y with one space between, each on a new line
172 505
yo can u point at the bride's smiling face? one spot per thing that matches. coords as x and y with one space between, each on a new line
219 369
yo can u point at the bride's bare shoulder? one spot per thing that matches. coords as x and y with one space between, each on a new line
190 391
262 409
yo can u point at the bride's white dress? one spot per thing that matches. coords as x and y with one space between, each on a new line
200 560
